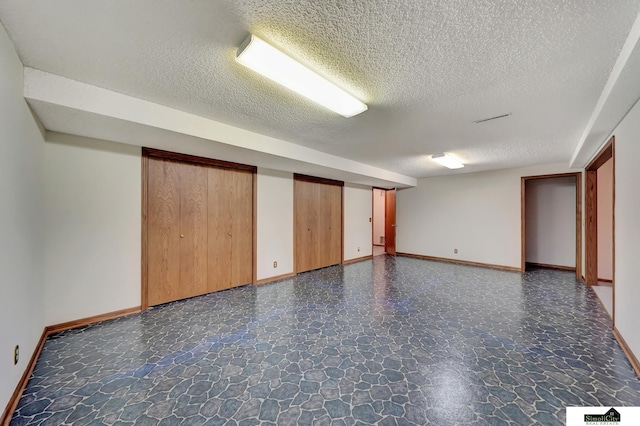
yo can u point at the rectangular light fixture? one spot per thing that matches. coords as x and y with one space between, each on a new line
447 161
256 54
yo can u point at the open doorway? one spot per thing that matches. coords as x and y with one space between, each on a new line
384 221
551 222
600 226
379 217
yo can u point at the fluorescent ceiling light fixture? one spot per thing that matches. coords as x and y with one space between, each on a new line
447 161
256 54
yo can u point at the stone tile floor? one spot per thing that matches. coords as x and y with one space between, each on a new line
387 341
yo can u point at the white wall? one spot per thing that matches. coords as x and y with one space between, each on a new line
477 213
274 223
627 232
21 227
92 218
378 215
357 225
605 221
551 221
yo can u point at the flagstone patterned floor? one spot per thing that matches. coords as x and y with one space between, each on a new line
390 341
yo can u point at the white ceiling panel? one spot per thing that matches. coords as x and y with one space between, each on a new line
427 69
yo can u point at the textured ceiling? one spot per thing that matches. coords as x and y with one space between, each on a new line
427 69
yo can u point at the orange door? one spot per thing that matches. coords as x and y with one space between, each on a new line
390 222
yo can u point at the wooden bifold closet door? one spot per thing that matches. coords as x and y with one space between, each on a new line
177 230
230 228
318 223
199 229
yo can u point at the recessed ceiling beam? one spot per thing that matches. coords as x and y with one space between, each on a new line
618 96
66 94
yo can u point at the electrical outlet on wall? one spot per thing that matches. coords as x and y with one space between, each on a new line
16 354
455 251
275 263
358 248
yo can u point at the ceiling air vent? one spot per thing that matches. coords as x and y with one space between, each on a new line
491 118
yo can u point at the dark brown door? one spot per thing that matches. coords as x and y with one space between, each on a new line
318 225
390 222
591 220
591 200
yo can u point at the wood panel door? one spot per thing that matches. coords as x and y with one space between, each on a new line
306 217
197 226
591 223
193 230
242 228
318 225
390 222
230 218
176 230
331 211
163 231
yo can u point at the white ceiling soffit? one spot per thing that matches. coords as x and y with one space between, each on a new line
621 92
68 106
427 69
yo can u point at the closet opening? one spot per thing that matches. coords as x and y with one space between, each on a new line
551 222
